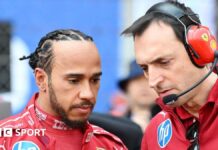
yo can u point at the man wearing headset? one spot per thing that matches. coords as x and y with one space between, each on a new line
174 50
67 71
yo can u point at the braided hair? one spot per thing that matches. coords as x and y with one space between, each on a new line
43 55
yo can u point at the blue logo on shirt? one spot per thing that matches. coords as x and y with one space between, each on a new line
164 133
25 145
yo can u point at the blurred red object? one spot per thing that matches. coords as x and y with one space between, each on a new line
119 105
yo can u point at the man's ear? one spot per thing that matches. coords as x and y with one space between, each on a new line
41 78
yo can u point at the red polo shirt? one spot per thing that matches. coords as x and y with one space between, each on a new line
167 131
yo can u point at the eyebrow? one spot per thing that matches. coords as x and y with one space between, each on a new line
79 75
157 59
97 74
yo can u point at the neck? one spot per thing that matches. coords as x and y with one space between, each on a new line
141 116
141 111
193 106
44 103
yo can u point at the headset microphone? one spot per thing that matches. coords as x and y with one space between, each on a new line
170 99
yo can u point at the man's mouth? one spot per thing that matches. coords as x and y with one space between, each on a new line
86 107
164 93
83 108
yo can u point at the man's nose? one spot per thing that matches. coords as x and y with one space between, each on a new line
86 92
154 77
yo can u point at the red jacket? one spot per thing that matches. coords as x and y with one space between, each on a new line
45 132
167 131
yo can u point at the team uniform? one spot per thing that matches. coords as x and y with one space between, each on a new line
33 129
167 130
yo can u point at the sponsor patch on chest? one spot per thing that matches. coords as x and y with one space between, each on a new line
25 145
164 133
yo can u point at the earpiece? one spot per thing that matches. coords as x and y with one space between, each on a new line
199 42
203 43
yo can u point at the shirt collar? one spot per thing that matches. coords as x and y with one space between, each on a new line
213 95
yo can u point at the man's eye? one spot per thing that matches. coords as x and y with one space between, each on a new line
74 81
165 62
145 68
95 80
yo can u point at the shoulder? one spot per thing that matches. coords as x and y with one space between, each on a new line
160 118
16 121
156 123
106 136
21 120
129 132
98 131
160 123
8 127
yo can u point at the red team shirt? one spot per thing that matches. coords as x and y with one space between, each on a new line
46 132
167 131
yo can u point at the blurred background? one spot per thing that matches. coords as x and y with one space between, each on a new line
23 23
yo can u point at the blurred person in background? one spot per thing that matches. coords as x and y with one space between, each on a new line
175 51
139 96
67 71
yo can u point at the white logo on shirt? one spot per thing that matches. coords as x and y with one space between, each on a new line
163 113
59 125
40 115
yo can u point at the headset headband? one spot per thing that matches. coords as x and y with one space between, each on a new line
173 11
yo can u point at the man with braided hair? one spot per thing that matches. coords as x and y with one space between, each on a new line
67 71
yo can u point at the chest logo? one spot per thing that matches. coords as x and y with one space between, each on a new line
25 145
164 133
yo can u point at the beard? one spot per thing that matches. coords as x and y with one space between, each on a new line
56 106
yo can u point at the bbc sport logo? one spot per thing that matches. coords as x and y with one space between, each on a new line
9 132
6 132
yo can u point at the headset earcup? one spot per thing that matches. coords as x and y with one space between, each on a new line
203 43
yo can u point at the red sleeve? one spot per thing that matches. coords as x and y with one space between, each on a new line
144 145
